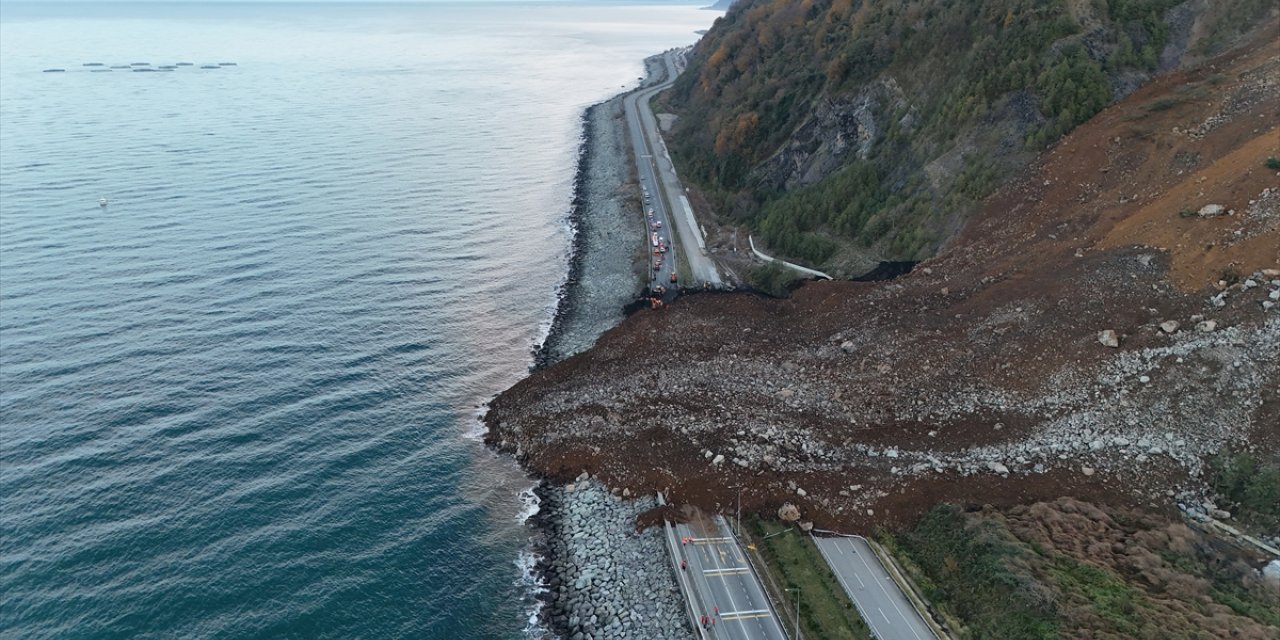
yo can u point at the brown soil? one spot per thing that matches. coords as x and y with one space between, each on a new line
992 344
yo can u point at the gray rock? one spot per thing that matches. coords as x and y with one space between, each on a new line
1108 338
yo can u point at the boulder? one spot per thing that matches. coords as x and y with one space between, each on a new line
1108 338
1211 210
1169 326
788 512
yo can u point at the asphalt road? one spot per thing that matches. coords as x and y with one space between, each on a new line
725 588
882 604
658 177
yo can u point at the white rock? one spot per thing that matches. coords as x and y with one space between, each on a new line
1144 379
998 468
801 492
718 459
1088 471
1108 338
847 346
1272 572
1207 326
788 512
1210 210
1169 326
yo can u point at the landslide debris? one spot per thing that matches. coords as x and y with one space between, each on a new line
980 376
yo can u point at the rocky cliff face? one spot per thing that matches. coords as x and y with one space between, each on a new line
835 131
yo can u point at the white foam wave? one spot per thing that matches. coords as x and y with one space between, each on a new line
530 505
532 586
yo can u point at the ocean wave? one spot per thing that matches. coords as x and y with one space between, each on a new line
533 587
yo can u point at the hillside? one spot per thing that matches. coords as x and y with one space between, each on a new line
842 131
1089 333
1069 569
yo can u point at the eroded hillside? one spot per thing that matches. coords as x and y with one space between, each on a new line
1106 320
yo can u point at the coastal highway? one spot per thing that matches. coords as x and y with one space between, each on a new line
724 586
882 604
658 176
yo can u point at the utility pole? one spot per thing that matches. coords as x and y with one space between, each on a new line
797 590
739 512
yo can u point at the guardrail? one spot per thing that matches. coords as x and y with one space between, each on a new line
768 258
689 594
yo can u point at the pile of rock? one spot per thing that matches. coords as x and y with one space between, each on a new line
604 579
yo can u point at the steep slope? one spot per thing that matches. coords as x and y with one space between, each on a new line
981 376
837 128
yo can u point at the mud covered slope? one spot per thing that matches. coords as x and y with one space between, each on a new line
981 376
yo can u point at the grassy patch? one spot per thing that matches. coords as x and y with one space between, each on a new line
1105 593
825 609
970 577
1163 104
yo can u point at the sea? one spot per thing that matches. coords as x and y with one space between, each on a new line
252 307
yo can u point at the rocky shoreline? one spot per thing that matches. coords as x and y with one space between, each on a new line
600 577
607 255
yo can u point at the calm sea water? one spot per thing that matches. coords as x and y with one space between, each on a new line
237 401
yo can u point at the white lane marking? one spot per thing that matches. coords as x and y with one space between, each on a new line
729 571
886 618
887 595
847 589
743 613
